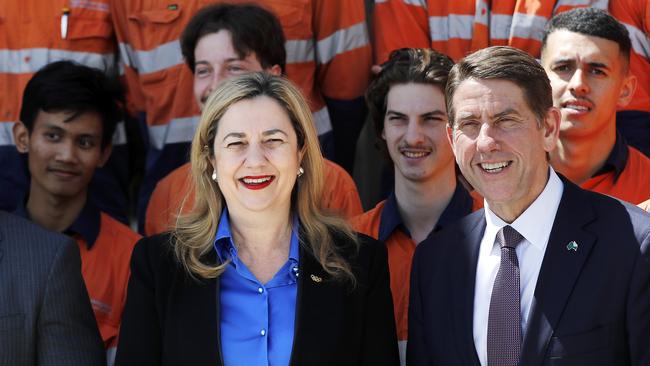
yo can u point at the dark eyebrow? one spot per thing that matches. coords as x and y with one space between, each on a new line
395 112
273 132
435 113
51 126
563 60
507 112
598 65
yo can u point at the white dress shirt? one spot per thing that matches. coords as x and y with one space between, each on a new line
535 225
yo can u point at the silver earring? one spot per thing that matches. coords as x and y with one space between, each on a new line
214 176
301 171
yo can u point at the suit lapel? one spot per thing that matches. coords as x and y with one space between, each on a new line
313 309
463 285
560 270
197 319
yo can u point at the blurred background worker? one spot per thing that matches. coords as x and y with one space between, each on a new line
586 55
457 28
33 34
67 119
219 42
407 107
328 57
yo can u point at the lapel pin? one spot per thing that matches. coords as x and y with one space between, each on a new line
316 278
572 246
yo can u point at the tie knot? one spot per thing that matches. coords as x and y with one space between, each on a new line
509 237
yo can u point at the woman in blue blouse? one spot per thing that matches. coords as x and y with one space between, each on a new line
258 273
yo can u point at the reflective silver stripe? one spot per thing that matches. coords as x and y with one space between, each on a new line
600 4
481 13
6 133
451 26
7 136
500 26
520 25
528 26
640 41
30 60
299 51
159 58
169 55
126 54
93 5
341 41
322 121
180 130
176 131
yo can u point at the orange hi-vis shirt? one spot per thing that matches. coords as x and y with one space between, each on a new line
167 201
36 33
327 43
105 269
459 27
635 16
32 35
105 245
631 184
385 224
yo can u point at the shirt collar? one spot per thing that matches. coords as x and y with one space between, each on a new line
617 158
536 222
226 249
391 220
86 225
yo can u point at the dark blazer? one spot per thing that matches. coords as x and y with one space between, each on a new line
45 313
171 319
590 307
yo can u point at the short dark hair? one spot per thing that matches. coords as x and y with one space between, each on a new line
406 65
591 22
253 29
503 63
69 86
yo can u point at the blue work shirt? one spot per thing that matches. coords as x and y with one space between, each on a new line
257 320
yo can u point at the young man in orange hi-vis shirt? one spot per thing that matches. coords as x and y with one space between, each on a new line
407 107
67 119
221 41
34 34
586 55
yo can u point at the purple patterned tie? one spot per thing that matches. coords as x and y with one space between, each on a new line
504 324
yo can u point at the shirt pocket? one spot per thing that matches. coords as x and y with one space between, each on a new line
87 23
294 16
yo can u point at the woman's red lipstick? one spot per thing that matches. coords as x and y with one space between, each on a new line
256 182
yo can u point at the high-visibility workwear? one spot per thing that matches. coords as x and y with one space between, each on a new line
459 27
328 55
32 35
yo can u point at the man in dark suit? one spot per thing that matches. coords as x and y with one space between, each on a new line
45 313
547 273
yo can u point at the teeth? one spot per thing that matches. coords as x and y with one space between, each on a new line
494 167
256 181
577 107
415 154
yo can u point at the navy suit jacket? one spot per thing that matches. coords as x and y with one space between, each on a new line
171 319
590 307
